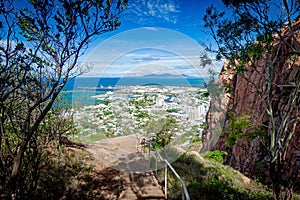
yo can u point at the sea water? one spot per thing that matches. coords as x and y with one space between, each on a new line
79 91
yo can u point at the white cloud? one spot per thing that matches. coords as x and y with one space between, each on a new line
151 28
150 11
144 51
141 65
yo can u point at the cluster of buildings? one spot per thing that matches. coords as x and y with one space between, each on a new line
132 109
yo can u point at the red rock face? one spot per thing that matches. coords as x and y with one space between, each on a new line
216 115
241 98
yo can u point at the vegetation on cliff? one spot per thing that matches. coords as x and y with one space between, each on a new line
262 50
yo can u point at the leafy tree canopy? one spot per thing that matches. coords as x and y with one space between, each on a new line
41 43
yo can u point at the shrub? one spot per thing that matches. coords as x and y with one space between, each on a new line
216 155
236 126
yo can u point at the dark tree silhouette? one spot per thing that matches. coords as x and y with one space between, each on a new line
41 43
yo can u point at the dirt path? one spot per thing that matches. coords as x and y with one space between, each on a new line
120 153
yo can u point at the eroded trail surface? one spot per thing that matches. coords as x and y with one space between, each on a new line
120 153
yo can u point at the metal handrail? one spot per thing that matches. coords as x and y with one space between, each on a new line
185 194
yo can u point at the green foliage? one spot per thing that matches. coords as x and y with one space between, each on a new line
260 169
164 130
70 173
42 43
196 139
256 51
240 126
216 155
142 114
228 88
36 155
205 94
254 41
236 36
212 88
105 102
172 110
141 101
236 128
209 180
107 112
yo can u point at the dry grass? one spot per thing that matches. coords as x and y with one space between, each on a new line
72 173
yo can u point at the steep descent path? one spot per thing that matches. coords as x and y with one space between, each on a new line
121 153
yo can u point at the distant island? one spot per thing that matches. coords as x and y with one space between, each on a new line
166 75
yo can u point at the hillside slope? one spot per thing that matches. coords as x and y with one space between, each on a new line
242 99
207 179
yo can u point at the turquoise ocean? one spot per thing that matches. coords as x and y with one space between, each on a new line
79 91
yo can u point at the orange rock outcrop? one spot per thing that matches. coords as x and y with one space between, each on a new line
242 98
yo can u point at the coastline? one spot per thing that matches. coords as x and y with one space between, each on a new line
135 109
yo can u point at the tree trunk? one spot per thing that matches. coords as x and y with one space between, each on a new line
14 176
16 165
275 176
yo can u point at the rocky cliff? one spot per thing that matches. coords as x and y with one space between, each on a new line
242 98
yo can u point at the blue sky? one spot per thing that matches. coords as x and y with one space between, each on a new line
155 37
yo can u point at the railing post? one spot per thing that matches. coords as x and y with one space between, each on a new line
149 156
185 194
156 165
166 181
